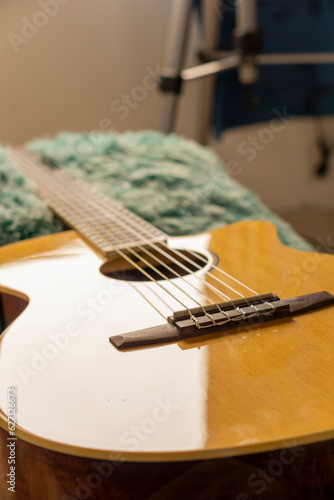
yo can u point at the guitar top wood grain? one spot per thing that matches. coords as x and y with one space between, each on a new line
223 394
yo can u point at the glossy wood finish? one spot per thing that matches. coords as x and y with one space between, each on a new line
297 473
250 390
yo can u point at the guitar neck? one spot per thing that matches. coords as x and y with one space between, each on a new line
105 224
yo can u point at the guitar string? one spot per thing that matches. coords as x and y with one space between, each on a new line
150 254
208 298
200 257
193 262
217 291
190 261
242 313
149 243
191 271
126 257
133 252
147 300
175 260
158 296
50 193
102 205
163 275
207 314
227 318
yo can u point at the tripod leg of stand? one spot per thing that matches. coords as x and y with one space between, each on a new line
248 41
174 56
211 25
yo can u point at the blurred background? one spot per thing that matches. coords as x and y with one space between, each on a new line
80 65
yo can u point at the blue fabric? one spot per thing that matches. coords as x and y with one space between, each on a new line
287 26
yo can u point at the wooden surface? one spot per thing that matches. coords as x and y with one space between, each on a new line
297 473
259 388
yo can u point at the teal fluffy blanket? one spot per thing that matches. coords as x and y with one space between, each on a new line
174 183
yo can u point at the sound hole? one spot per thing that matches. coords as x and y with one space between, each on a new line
170 266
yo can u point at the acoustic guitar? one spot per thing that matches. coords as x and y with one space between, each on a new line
134 365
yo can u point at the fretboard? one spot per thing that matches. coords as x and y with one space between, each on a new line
103 222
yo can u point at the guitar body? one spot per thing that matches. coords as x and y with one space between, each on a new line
173 406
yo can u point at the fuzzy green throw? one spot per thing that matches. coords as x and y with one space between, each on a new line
174 183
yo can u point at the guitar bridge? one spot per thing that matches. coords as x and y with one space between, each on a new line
227 314
220 317
223 312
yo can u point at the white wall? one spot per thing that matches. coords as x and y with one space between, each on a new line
88 57
278 160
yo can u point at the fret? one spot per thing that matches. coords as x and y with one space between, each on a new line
103 222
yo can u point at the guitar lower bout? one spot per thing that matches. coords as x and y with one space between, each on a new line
213 396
